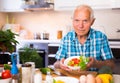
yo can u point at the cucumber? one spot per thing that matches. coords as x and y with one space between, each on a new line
45 70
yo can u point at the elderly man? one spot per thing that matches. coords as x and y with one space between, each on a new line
84 40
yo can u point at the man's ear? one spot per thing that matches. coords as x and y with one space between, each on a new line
93 20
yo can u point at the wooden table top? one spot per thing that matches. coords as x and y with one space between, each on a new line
70 74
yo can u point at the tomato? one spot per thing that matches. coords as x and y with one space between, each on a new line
6 74
76 60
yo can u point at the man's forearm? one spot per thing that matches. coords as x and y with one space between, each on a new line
99 64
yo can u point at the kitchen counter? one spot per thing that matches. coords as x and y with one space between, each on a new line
114 43
114 40
40 41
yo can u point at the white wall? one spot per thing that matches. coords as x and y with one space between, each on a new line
51 21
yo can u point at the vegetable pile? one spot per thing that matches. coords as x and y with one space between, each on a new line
79 62
104 76
6 72
100 78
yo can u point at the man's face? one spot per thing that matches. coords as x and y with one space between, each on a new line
82 22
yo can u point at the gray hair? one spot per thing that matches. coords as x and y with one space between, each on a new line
87 7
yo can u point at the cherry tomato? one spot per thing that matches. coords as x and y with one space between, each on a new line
76 60
6 74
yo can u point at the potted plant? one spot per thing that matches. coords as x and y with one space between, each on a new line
30 55
7 41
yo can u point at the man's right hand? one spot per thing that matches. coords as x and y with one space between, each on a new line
62 66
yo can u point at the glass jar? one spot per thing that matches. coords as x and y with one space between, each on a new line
26 73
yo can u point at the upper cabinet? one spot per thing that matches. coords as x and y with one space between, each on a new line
71 4
115 3
11 6
65 4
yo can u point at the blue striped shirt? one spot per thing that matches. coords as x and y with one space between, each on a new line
96 46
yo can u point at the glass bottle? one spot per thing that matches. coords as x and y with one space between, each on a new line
37 76
14 70
49 78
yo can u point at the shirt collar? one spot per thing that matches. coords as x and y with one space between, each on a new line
75 36
89 35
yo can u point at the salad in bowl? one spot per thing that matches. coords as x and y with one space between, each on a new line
77 62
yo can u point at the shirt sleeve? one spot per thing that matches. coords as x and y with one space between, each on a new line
61 53
106 50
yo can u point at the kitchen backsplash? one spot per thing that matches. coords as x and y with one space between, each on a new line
52 21
2 19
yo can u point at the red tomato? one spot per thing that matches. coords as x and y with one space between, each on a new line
6 74
76 60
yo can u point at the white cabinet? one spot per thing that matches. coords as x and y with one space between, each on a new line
71 4
11 6
99 4
115 3
65 4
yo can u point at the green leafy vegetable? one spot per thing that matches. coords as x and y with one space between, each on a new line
83 61
7 67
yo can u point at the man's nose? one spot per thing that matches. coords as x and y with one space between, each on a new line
80 24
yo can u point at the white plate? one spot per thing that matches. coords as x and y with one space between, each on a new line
67 79
68 59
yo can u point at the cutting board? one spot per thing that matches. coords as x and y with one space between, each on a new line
75 74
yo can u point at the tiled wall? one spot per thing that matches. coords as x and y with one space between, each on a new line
51 21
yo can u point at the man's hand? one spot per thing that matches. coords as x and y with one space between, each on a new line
62 66
91 62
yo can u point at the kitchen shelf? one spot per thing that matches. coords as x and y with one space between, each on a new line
114 43
40 41
114 40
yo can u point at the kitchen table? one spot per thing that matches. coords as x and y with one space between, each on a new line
68 74
116 77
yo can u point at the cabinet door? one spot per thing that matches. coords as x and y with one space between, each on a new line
115 3
11 5
71 4
66 4
98 4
